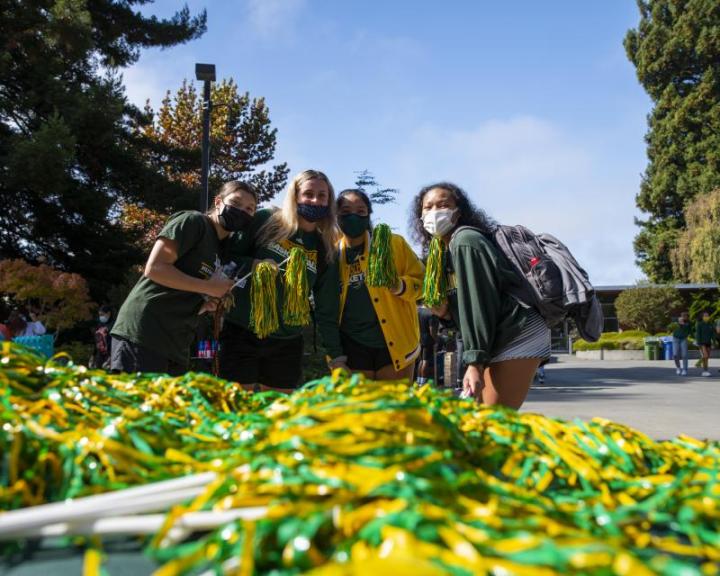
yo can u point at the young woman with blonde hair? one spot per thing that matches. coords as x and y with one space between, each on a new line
307 221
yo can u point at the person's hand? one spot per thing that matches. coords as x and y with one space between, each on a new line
473 383
209 306
218 287
399 288
267 260
338 362
441 311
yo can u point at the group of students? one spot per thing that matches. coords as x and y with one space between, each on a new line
365 328
705 333
21 323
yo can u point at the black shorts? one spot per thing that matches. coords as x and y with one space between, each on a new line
428 351
247 359
126 356
361 357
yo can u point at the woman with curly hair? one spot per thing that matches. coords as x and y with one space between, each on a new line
504 342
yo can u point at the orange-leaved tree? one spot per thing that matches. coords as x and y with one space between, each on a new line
142 223
242 141
62 297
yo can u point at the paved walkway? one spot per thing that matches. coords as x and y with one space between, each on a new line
646 395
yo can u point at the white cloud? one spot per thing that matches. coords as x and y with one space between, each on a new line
145 81
270 18
525 170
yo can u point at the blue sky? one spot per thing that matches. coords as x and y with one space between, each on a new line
532 107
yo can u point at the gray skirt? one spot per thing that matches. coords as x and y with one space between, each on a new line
532 342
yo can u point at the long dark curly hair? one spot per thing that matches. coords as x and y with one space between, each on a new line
470 215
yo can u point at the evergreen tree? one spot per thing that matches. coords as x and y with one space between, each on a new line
676 51
241 140
70 150
366 182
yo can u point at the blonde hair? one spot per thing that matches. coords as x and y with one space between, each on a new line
284 221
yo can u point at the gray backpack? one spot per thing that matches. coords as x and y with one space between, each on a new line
552 281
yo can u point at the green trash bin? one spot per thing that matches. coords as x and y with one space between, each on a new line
652 350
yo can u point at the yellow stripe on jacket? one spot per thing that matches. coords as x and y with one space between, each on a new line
397 314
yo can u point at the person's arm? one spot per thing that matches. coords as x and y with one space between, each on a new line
326 292
241 247
478 295
410 271
35 327
160 268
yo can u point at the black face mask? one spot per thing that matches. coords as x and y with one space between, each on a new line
354 225
233 219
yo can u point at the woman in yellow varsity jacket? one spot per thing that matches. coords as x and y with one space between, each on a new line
378 331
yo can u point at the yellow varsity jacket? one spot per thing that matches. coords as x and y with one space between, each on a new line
397 314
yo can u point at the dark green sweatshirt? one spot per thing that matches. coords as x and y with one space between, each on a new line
487 315
704 333
682 331
243 249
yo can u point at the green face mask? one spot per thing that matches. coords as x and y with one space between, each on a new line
354 225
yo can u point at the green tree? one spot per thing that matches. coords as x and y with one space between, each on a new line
242 141
697 256
70 150
648 308
366 182
676 51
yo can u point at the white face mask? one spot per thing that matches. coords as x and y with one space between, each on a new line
439 222
103 319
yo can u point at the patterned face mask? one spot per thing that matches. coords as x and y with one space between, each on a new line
312 213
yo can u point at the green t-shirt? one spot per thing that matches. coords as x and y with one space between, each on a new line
704 333
359 320
682 331
164 319
243 249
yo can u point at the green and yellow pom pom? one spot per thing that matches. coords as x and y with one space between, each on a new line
296 304
381 262
263 300
435 283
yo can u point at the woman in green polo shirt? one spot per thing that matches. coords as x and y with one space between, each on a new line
503 342
156 323
307 221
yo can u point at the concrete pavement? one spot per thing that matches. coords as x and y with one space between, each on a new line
646 395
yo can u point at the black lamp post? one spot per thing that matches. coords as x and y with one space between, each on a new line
205 73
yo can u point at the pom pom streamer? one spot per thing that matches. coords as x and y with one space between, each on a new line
381 269
263 300
296 303
435 282
361 477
